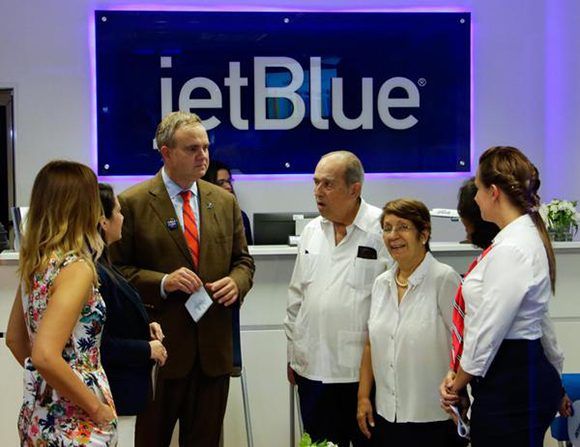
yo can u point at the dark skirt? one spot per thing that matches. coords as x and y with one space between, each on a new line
415 434
517 399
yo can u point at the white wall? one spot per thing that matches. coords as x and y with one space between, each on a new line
562 123
522 48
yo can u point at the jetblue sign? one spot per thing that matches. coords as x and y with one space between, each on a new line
235 81
277 90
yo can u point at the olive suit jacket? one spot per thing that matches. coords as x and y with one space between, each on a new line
153 245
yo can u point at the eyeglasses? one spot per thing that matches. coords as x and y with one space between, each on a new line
403 228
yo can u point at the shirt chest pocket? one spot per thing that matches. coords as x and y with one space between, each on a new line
362 274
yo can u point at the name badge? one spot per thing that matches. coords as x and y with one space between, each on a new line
171 224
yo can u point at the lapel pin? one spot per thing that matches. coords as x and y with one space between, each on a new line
171 224
209 205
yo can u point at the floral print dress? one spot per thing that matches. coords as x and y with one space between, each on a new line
46 418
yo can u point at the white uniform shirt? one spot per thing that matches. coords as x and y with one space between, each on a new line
329 296
506 297
411 341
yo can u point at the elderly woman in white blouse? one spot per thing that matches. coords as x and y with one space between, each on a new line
407 350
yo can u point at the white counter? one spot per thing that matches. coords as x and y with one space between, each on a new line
263 340
11 257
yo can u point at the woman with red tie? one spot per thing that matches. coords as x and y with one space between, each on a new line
510 356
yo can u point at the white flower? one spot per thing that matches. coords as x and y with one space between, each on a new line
560 213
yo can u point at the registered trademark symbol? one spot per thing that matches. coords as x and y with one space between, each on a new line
422 82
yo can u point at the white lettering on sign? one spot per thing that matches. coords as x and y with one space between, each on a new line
235 82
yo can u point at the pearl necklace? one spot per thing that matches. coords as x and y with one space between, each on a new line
402 285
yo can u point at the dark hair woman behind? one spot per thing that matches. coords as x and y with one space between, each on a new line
130 343
220 174
479 232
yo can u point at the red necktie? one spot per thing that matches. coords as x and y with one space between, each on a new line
459 317
190 227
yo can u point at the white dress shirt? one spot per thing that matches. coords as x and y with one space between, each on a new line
174 190
506 297
411 341
329 296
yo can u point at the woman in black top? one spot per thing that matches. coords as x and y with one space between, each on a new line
130 344
220 174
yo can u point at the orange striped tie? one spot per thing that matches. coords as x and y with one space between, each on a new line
190 227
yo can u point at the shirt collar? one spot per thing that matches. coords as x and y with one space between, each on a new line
513 228
173 189
364 220
418 275
361 220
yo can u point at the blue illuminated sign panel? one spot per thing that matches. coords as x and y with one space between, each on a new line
278 90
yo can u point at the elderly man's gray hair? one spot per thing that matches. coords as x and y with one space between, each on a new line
353 168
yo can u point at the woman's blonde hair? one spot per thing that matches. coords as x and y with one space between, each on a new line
62 219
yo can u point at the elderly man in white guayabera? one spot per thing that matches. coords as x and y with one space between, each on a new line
340 254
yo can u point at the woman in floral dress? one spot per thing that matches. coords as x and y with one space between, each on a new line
57 317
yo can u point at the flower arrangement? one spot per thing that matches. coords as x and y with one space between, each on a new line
561 218
306 441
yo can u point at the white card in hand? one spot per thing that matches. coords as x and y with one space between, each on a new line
462 425
198 303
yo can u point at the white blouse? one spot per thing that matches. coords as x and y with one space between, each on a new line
329 296
506 297
411 341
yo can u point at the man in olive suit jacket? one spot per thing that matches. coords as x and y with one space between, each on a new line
181 233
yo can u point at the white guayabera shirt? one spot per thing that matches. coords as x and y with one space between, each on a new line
329 296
